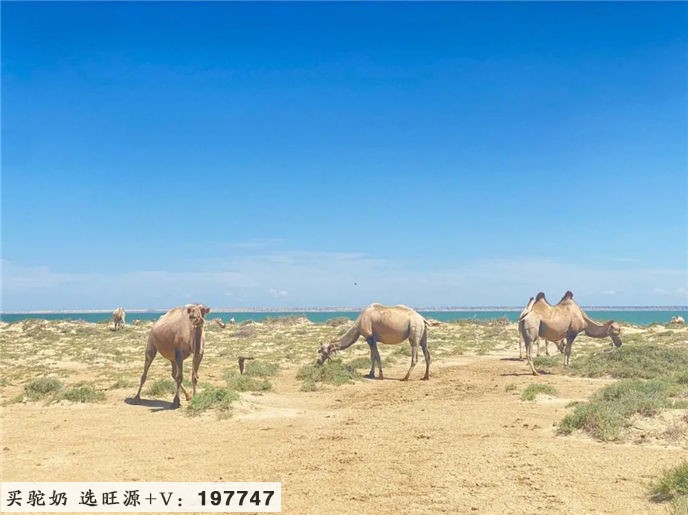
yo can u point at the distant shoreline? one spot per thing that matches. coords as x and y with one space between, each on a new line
342 309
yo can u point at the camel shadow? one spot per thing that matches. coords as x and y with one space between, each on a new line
510 359
526 373
155 404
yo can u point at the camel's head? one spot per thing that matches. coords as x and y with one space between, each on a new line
196 313
325 352
615 333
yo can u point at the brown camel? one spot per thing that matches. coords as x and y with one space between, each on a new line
176 335
565 320
385 324
118 318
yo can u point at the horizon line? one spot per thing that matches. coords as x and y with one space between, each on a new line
333 309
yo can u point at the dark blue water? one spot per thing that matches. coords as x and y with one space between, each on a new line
637 317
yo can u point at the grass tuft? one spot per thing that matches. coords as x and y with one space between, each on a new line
161 388
672 485
610 409
258 368
212 397
532 391
333 371
42 387
82 393
246 383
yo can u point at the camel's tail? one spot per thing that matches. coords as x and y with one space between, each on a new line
430 323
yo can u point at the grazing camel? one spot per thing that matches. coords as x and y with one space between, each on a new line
119 318
385 324
176 335
566 319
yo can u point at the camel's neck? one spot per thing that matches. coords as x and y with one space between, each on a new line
595 330
348 338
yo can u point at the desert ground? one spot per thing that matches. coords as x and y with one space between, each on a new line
462 442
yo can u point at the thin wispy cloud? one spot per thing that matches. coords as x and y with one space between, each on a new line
310 279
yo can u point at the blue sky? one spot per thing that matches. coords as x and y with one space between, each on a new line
336 154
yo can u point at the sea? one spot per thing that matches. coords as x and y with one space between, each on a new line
635 316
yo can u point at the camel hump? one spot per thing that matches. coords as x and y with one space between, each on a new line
568 295
539 296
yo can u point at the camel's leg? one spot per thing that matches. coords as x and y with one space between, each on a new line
528 340
179 373
414 360
196 363
547 347
151 352
521 329
567 350
174 376
426 353
538 348
379 363
194 371
373 351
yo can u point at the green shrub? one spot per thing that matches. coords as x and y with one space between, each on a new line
672 484
532 391
41 387
333 371
162 388
258 368
642 361
610 409
246 383
309 386
82 393
212 397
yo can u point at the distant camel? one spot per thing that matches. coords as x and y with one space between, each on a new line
389 325
566 319
176 335
119 318
678 320
541 306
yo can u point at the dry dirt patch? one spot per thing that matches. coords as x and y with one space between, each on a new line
461 442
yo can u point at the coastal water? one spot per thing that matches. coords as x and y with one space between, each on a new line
630 316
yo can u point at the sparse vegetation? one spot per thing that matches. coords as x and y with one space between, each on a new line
258 368
219 399
82 393
672 486
333 371
510 387
161 388
245 382
532 391
42 387
654 378
641 361
610 409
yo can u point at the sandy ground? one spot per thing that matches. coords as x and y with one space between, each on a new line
459 443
